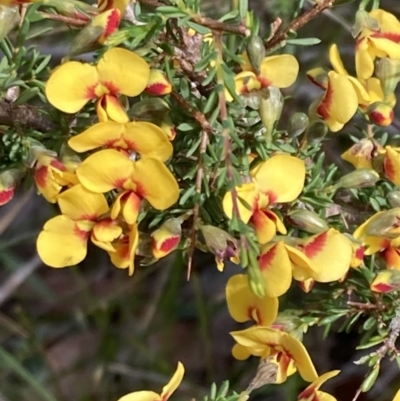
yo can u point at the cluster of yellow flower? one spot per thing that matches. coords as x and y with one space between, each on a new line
377 36
128 164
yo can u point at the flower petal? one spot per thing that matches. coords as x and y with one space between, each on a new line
174 383
109 107
155 183
62 243
364 59
280 71
391 165
141 396
336 60
158 84
105 170
81 204
281 178
264 225
244 305
71 85
248 193
123 71
276 268
127 204
166 238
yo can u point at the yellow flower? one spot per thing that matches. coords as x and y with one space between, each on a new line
244 305
312 392
158 84
166 238
140 137
167 390
119 71
280 179
146 178
385 42
290 353
63 241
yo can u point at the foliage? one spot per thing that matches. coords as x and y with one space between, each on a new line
174 135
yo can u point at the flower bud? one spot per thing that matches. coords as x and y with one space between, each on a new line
158 84
256 280
149 109
319 76
8 182
270 108
9 18
298 123
360 178
394 198
384 224
380 114
220 243
287 323
166 238
388 73
308 221
169 128
386 281
256 51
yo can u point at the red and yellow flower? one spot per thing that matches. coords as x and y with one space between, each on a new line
280 179
313 393
119 72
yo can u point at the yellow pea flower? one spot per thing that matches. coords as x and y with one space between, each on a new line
280 179
119 71
140 137
384 42
290 353
167 390
312 392
146 178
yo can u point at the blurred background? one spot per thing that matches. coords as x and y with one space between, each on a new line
90 333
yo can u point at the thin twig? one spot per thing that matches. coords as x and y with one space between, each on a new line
299 22
196 208
197 115
63 18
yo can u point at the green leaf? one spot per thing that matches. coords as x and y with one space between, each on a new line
198 28
231 15
8 360
243 7
304 41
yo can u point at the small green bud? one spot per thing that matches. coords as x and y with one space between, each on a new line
256 51
369 381
149 109
9 18
360 178
394 198
256 280
298 123
270 109
364 21
308 221
388 72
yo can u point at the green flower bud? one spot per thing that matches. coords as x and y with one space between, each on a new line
149 109
369 381
394 199
307 221
9 18
256 280
256 51
360 178
298 123
384 225
270 109
388 72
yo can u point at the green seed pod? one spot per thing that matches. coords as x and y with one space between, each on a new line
298 123
394 198
308 221
256 279
256 51
360 178
369 381
270 109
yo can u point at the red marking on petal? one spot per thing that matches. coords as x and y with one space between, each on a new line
323 109
308 392
316 246
158 89
82 234
381 119
91 92
382 287
389 168
263 81
119 183
359 254
41 176
266 258
393 36
6 195
112 23
272 197
169 244
58 165
113 89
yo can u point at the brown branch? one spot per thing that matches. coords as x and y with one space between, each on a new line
27 116
299 22
63 18
197 115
